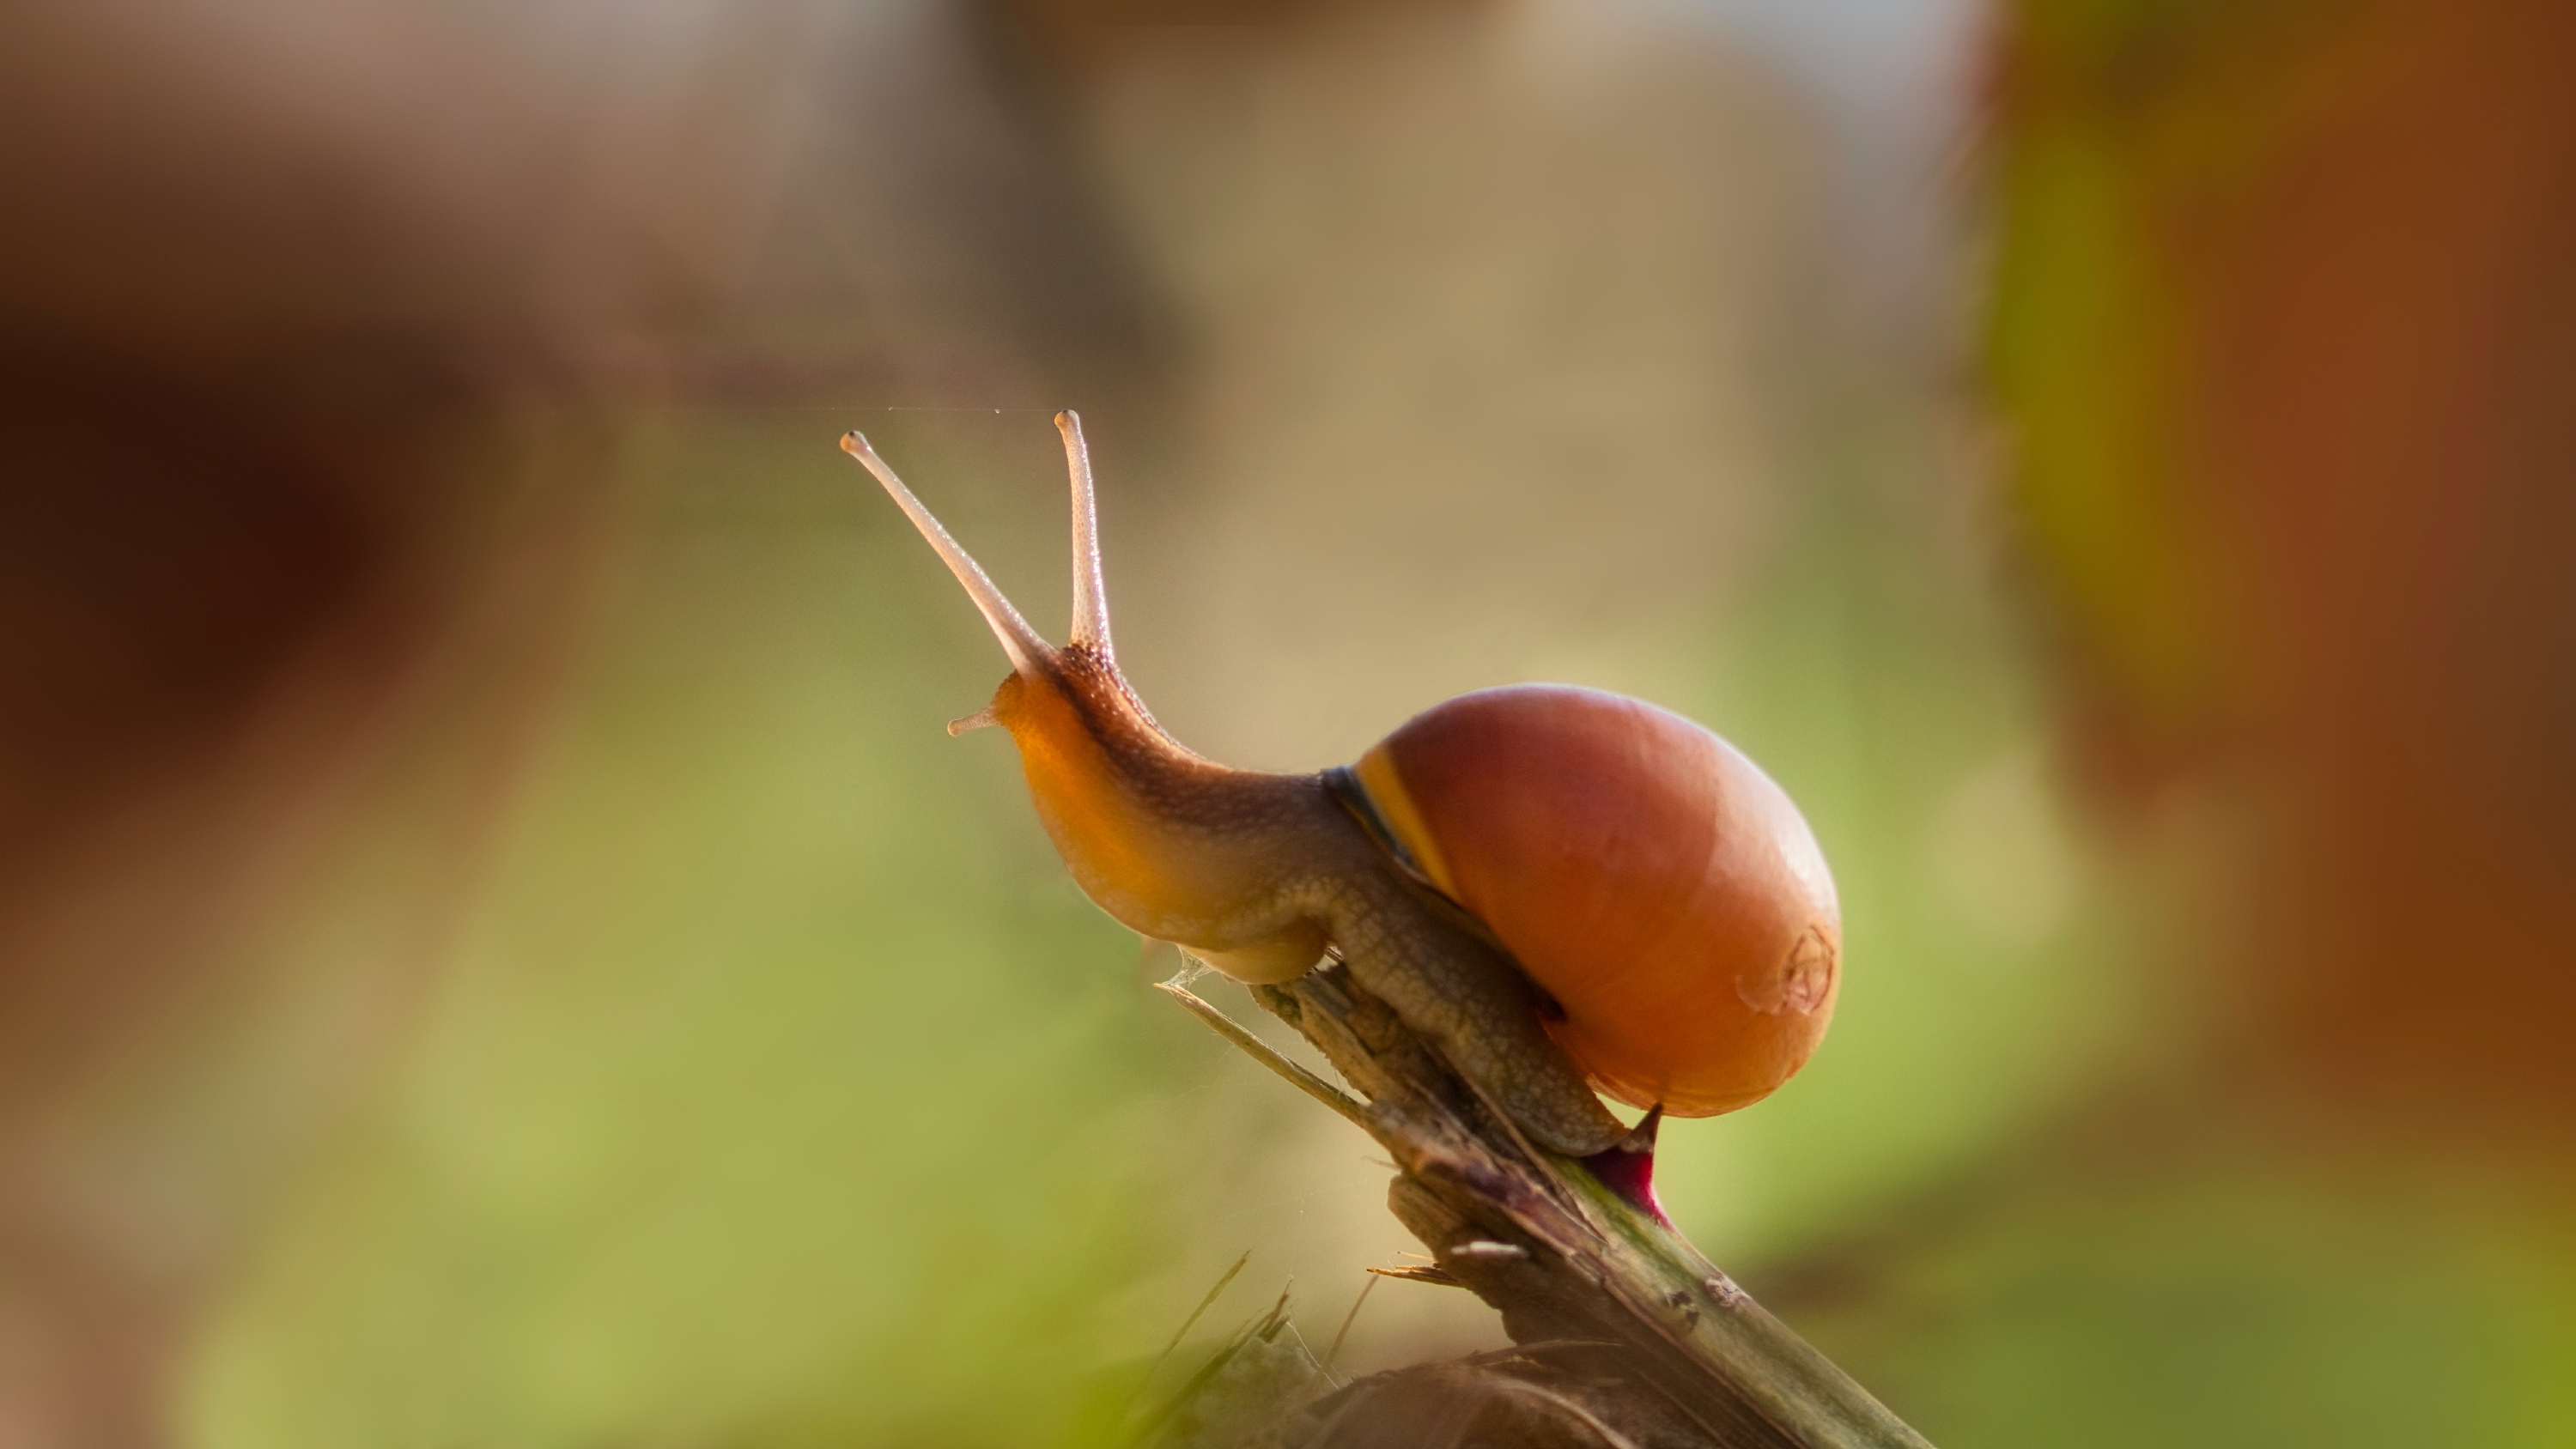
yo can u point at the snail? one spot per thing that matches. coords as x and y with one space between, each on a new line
1561 888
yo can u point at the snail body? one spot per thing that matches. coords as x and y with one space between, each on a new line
1562 888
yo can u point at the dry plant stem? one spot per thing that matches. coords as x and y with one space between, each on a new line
1559 1255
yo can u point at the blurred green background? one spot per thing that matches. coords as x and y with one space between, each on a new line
504 953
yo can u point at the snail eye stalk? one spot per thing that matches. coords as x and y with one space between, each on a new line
1018 640
1090 599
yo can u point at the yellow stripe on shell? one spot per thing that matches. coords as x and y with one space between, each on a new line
1378 776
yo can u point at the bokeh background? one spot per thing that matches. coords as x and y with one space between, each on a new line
496 948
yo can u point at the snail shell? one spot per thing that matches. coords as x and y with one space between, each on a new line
1644 873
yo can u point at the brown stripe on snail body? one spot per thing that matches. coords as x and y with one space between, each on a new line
1564 889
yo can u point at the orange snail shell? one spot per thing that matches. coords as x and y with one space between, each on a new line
1640 869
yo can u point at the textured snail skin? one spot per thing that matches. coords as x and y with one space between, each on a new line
1645 874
